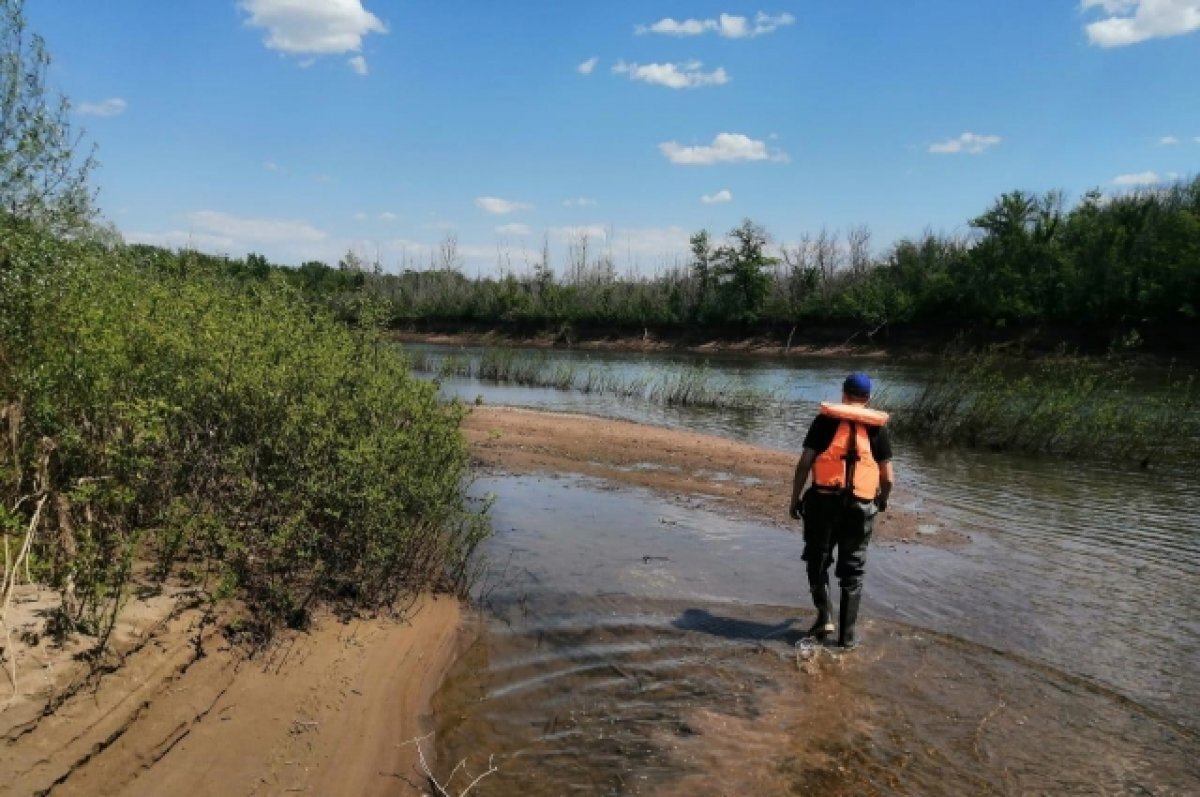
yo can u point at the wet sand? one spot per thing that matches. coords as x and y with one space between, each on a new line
181 710
735 477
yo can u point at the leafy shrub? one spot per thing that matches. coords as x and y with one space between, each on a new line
1060 405
230 429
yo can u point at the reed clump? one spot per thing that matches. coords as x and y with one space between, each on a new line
1061 405
692 386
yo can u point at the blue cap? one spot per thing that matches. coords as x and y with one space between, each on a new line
857 384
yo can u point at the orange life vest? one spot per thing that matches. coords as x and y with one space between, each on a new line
848 465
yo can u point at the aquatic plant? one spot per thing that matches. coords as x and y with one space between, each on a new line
1061 405
695 386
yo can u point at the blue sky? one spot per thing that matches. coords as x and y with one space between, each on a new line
304 128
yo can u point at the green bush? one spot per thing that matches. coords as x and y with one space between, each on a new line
1062 405
219 428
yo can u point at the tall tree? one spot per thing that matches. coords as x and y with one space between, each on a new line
743 267
43 176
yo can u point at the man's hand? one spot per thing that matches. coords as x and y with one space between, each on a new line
881 503
797 510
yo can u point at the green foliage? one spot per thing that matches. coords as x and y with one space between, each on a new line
741 269
1061 405
172 412
43 179
1109 263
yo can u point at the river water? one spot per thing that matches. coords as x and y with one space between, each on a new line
638 644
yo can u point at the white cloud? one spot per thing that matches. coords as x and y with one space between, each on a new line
1196 139
224 233
689 75
360 216
1139 178
513 229
588 66
313 27
1168 141
765 23
182 239
651 241
388 216
578 230
725 148
728 25
498 206
579 202
1135 21
971 143
719 198
271 166
255 230
358 64
114 106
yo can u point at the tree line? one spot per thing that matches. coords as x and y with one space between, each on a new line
1125 262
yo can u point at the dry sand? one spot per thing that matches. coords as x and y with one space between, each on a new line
182 711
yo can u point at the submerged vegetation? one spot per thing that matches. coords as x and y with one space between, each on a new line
692 386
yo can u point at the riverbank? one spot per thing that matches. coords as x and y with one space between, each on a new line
736 478
182 710
827 342
623 342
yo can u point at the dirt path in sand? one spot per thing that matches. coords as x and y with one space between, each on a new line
326 712
740 478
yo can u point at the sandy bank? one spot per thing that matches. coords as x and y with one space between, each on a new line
182 711
738 477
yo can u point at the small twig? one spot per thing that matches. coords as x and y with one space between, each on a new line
10 583
492 769
444 791
977 740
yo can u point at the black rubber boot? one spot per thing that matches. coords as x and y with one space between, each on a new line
849 615
823 627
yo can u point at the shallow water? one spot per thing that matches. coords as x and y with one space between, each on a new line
1055 653
635 644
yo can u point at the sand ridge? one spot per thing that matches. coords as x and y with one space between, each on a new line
739 478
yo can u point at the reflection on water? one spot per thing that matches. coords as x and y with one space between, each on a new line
636 644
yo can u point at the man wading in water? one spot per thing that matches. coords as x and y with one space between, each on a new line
848 453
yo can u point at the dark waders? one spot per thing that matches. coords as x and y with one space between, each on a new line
835 519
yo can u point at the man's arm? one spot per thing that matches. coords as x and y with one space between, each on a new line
887 477
803 468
